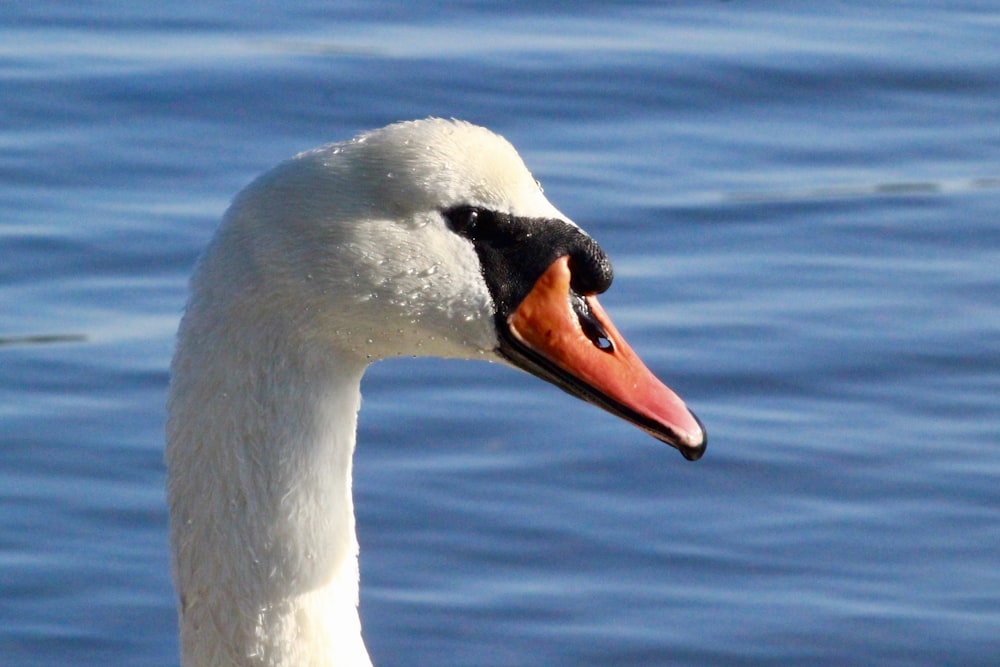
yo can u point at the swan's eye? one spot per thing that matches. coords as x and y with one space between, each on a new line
465 219
483 225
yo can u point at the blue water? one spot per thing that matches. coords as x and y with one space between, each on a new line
801 205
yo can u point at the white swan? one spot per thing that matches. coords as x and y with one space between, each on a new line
422 238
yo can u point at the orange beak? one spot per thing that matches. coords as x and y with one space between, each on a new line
568 339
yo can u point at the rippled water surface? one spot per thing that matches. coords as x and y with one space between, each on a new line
801 205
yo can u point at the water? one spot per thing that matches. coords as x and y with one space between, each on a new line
801 207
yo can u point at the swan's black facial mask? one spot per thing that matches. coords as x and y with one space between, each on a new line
543 275
516 251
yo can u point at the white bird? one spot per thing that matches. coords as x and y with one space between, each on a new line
421 238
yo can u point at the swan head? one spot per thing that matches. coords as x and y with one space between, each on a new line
430 238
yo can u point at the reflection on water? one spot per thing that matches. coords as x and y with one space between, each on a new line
869 190
42 339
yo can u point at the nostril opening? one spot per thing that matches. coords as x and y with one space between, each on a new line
591 326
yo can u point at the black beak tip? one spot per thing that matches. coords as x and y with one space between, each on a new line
695 452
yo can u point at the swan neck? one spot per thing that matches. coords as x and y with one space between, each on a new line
260 439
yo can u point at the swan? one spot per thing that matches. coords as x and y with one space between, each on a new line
425 237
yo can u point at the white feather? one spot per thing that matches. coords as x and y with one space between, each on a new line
335 258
